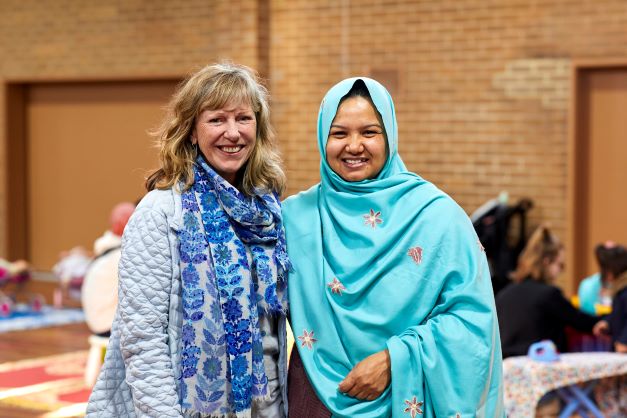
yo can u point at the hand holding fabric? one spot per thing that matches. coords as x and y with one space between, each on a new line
369 377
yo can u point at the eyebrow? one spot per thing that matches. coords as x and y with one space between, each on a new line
232 110
366 126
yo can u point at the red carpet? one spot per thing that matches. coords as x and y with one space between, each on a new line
49 384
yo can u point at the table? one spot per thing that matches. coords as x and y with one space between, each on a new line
525 381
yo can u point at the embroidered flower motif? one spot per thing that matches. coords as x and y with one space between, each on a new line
336 286
373 218
212 368
413 407
458 415
415 254
482 248
307 339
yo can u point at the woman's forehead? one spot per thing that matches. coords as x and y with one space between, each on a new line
357 107
228 103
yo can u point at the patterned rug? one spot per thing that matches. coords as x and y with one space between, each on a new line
53 385
23 318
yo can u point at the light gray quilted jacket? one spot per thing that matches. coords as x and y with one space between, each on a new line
139 375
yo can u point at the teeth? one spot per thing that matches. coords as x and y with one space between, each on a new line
355 161
231 149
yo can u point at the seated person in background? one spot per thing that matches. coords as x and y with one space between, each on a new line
616 321
99 294
532 309
594 291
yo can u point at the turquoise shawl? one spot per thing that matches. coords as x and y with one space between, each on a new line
394 263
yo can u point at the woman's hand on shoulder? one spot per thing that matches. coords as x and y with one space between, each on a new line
369 377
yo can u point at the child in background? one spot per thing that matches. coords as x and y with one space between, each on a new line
616 322
594 291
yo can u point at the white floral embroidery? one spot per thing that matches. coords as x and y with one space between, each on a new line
307 339
336 286
373 218
413 407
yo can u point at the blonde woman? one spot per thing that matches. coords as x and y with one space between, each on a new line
200 329
532 308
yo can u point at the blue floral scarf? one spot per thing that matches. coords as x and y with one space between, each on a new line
233 264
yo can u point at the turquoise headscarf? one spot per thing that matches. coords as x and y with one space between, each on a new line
391 262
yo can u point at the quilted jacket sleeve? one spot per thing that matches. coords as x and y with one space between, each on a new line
145 283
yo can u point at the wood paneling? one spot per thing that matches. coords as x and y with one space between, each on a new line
88 149
600 168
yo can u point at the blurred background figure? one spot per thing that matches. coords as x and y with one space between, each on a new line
99 293
16 272
615 280
594 292
532 308
501 229
70 270
12 274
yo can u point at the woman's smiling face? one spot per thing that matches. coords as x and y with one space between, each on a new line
356 147
226 137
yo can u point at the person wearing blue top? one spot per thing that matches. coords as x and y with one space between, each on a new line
390 295
589 293
595 289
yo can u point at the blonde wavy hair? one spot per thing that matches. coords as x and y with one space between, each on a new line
210 88
542 245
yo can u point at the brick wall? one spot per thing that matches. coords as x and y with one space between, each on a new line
482 89
83 40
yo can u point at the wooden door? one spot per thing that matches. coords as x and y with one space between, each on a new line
601 164
88 148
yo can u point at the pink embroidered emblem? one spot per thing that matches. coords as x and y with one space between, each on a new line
415 254
373 218
482 248
413 407
336 286
307 339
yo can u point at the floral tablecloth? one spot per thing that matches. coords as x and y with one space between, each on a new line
526 380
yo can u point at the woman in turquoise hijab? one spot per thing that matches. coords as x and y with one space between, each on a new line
390 296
